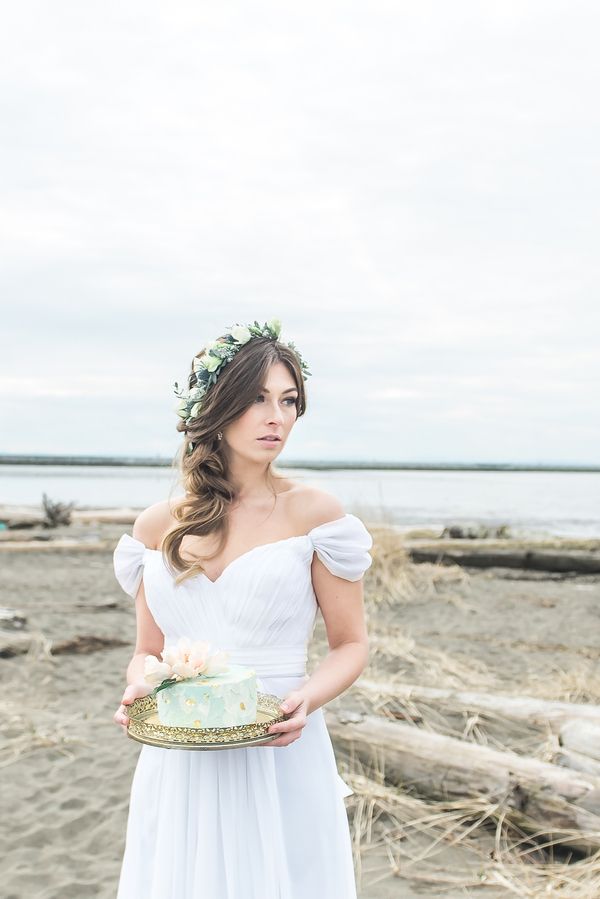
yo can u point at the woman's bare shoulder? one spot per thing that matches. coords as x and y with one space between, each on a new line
152 522
311 507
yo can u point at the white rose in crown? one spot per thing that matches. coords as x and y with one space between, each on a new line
240 334
210 362
183 660
181 408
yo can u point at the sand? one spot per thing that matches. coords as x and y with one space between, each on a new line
67 768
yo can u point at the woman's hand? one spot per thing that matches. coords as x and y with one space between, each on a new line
132 691
291 729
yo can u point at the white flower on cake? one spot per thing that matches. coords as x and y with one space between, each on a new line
155 672
185 659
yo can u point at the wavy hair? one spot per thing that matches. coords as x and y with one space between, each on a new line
202 460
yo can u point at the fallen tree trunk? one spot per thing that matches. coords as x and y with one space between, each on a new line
582 737
12 619
50 544
521 708
533 560
569 758
125 515
84 643
537 796
14 643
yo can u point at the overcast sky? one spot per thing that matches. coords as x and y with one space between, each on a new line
412 188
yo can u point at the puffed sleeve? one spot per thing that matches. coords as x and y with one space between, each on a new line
343 546
128 563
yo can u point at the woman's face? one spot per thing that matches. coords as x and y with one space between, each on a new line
273 412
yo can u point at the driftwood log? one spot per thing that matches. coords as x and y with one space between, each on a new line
12 619
538 712
570 758
47 544
19 642
528 559
582 736
580 746
577 725
537 796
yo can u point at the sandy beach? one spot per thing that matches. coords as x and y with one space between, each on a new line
67 767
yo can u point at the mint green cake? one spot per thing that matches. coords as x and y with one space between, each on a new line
223 700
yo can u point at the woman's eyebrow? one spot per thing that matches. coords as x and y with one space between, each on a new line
289 389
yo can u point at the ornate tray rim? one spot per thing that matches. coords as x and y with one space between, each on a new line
156 734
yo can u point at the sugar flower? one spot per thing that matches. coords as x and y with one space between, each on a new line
185 659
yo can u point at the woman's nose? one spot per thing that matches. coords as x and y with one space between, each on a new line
275 413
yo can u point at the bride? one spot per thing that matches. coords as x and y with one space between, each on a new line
246 559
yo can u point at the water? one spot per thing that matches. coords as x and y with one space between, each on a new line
532 503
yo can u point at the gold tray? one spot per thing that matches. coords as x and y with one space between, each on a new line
145 727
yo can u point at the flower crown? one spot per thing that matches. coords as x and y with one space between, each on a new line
217 354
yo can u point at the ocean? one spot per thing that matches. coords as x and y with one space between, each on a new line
532 503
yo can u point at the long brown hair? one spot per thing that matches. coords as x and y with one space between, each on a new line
202 462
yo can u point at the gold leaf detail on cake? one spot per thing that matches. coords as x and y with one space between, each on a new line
242 706
197 723
190 701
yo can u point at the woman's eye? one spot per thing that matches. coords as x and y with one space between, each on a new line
289 399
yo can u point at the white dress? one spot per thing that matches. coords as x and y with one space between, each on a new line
256 822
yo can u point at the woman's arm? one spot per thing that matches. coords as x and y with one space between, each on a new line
342 606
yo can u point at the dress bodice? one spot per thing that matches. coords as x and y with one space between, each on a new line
263 598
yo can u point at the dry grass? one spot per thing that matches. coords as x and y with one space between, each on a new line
424 664
470 845
482 727
460 845
392 578
578 684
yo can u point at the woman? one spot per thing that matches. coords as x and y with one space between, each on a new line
244 560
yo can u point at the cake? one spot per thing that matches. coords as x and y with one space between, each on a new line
198 688
222 700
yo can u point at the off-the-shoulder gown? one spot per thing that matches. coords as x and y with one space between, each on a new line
256 822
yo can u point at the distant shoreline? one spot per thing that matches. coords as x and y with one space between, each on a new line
311 464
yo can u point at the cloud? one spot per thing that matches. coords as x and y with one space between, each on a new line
412 190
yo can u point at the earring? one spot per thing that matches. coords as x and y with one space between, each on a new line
219 436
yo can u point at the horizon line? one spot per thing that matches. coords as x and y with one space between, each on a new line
316 464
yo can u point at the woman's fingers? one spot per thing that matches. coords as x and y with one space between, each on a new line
120 717
284 739
131 692
288 731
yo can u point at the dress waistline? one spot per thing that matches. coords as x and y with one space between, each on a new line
283 660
